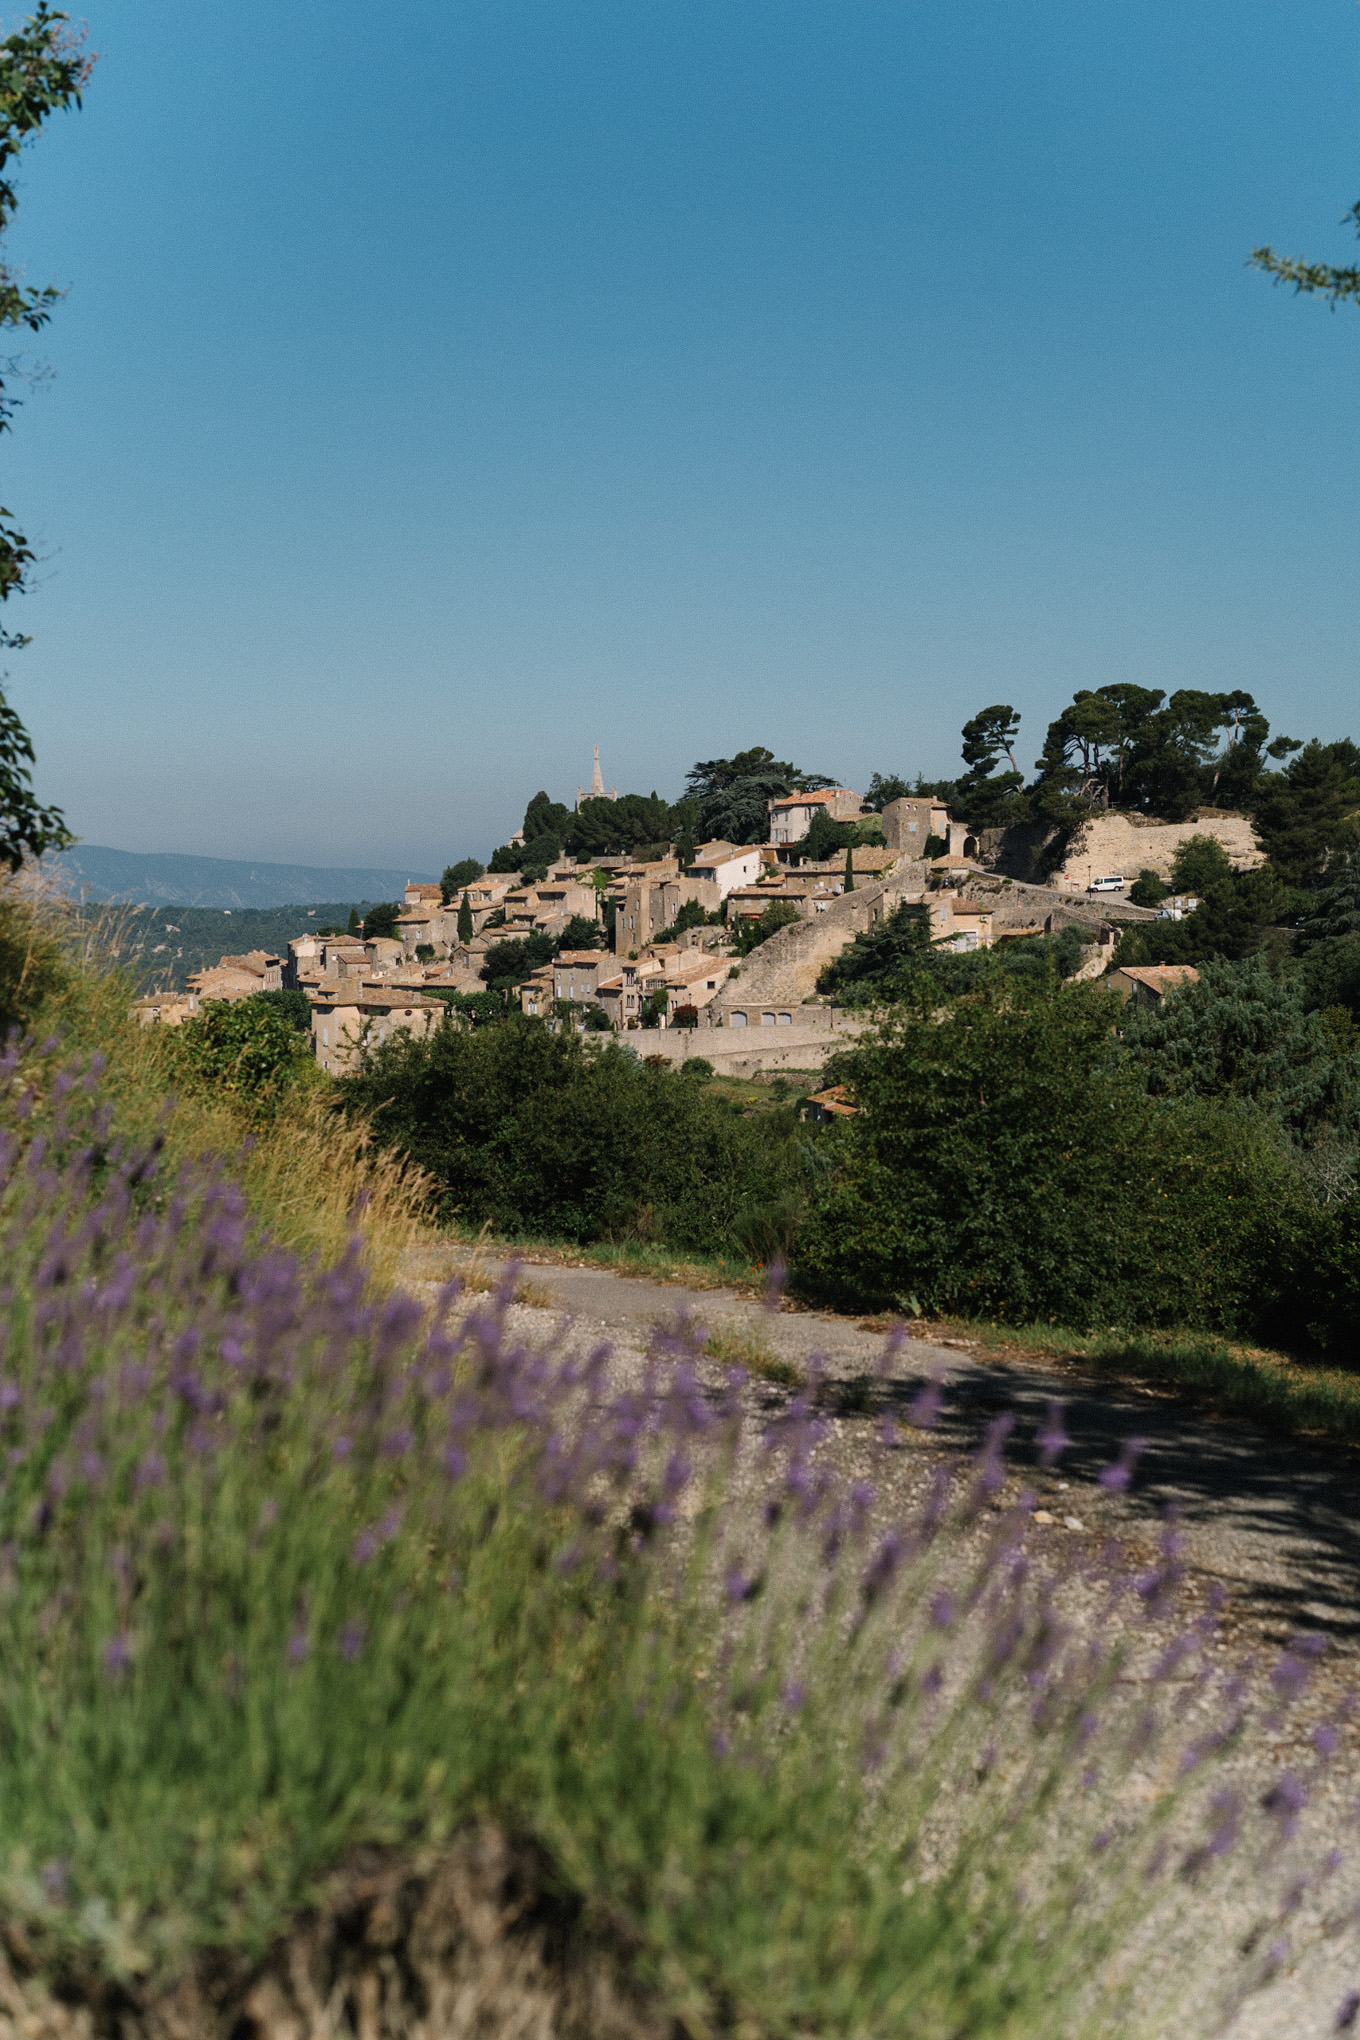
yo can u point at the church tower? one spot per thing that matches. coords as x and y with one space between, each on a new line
597 791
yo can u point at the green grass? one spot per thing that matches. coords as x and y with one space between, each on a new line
641 1258
738 1345
1272 1389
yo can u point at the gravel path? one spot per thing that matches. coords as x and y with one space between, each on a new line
1272 1521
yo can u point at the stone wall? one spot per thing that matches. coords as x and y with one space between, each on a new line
743 1051
783 970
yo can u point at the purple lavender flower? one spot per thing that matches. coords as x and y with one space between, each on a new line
1285 1801
351 1641
741 1586
1348 2011
793 1695
299 1645
118 1654
1051 1438
1115 1479
926 1405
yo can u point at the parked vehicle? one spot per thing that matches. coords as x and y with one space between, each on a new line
1107 885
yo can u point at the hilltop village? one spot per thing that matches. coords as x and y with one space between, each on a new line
718 938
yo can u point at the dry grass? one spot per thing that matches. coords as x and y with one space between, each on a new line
312 1178
741 1345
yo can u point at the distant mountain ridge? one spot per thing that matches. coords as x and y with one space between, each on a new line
93 872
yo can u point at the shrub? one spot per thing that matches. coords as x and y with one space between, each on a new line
749 934
1148 890
1003 1164
457 877
543 1133
250 1048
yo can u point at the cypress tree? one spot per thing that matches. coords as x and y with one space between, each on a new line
465 920
849 868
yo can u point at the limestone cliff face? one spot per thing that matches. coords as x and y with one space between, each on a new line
1126 844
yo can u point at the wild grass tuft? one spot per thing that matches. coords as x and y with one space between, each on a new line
741 1345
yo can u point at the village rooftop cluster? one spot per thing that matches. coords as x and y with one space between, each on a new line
657 973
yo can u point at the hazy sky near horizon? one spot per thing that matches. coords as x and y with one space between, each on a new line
443 390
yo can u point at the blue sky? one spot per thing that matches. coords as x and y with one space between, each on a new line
442 390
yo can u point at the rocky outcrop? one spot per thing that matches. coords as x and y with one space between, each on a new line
1111 843
1127 844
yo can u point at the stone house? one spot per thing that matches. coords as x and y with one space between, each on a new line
959 924
806 891
1147 984
622 995
693 979
791 818
823 1106
422 894
238 977
577 974
870 862
536 994
166 1009
723 866
347 1018
909 823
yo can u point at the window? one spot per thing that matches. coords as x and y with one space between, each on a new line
785 1020
737 1020
767 1019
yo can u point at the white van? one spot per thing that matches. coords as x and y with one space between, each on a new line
1107 885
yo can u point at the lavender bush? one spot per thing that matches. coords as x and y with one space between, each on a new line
288 1567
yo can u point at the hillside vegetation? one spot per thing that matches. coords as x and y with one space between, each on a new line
338 1623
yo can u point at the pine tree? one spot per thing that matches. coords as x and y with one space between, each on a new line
465 920
849 869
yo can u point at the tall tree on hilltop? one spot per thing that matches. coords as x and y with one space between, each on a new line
985 797
42 70
734 794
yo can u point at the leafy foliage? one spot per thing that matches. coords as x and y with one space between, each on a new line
512 963
249 1047
580 933
1315 278
748 934
42 70
1243 1032
884 788
457 876
1233 915
541 1134
985 796
1005 1163
1148 890
1309 813
733 794
380 922
1337 911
